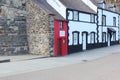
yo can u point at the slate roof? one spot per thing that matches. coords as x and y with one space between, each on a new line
77 5
50 10
95 2
71 4
108 5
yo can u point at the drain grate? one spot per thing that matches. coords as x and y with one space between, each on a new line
84 60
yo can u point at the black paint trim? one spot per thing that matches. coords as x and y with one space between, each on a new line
83 21
109 26
79 16
114 42
80 11
74 48
103 16
78 33
91 37
105 36
109 10
78 48
96 45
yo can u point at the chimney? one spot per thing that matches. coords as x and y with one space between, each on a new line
102 5
113 8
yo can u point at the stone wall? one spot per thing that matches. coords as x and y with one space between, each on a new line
37 29
13 35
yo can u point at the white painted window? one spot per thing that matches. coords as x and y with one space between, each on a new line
103 37
75 37
70 15
92 19
84 17
75 13
103 20
114 21
92 37
61 25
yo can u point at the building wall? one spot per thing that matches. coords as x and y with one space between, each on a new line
119 26
37 29
13 36
109 24
60 38
82 24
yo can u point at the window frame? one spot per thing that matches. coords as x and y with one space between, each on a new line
114 36
114 21
92 37
61 24
75 38
75 16
92 18
103 20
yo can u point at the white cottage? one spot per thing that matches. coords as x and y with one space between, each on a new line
82 26
108 25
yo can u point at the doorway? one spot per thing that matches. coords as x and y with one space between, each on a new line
84 41
109 39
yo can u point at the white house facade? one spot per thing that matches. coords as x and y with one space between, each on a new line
108 23
82 33
88 30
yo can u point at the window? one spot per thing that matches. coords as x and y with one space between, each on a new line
104 37
92 36
114 36
92 18
75 17
61 24
70 15
103 20
75 37
114 21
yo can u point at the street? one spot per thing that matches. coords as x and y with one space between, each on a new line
106 67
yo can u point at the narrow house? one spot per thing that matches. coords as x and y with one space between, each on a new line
47 29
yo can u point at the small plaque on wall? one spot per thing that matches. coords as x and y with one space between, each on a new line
62 33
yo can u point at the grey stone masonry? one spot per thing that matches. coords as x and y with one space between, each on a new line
13 35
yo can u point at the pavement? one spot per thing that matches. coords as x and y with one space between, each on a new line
36 64
20 58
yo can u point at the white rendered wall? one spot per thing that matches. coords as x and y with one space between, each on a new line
109 23
109 17
99 17
81 27
58 6
119 26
